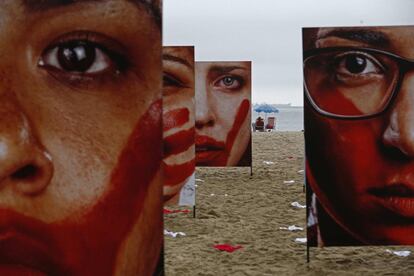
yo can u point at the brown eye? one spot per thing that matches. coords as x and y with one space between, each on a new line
170 81
355 63
77 57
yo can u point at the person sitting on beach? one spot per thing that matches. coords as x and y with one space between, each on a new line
359 135
80 137
223 108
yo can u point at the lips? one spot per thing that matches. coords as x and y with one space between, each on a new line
23 249
397 198
208 149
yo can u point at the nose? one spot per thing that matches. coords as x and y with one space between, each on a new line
204 115
399 132
25 166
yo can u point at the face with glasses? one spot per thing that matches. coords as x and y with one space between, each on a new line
359 129
80 137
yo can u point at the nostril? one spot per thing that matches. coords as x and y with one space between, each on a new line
28 172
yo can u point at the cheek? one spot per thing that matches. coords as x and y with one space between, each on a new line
344 156
119 209
238 136
179 138
175 118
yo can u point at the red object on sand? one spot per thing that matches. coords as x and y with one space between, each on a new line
227 247
166 211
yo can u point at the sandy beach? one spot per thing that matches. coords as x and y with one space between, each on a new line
251 214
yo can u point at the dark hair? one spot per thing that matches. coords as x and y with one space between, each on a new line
154 7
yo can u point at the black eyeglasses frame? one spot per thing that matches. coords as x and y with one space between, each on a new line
404 66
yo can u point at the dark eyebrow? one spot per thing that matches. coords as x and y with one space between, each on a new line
224 69
177 59
368 36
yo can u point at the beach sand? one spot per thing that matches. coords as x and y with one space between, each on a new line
251 214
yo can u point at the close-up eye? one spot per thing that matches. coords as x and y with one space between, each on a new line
83 55
230 82
357 64
170 81
77 57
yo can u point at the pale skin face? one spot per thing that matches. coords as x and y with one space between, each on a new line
178 115
222 112
362 170
77 80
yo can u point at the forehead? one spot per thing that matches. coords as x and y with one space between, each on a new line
397 39
185 53
217 65
21 8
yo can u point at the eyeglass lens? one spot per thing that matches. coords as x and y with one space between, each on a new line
352 82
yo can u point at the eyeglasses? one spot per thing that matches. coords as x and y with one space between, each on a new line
352 83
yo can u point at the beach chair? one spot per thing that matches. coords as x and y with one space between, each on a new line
271 121
260 124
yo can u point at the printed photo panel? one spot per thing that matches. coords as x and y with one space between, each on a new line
223 113
80 138
359 135
179 125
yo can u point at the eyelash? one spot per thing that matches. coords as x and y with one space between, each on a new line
239 79
100 44
171 81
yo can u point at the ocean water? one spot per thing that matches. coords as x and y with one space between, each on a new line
289 118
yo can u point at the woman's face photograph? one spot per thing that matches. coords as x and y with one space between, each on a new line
359 129
80 137
223 108
178 119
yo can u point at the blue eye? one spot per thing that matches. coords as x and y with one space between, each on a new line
230 82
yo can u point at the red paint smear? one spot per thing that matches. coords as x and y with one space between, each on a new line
202 140
88 245
227 247
241 115
175 118
179 142
175 174
167 211
341 104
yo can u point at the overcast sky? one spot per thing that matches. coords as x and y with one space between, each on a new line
268 32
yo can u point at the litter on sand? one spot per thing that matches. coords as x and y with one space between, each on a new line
298 205
173 234
300 240
167 211
227 247
289 181
292 228
402 253
199 180
268 162
301 171
211 194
